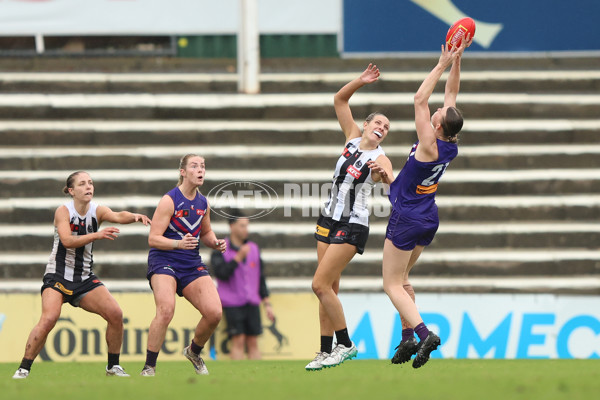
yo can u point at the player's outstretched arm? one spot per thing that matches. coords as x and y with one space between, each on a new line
342 98
122 217
427 140
63 228
453 82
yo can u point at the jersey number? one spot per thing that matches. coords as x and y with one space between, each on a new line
438 170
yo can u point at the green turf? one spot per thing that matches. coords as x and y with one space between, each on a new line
364 379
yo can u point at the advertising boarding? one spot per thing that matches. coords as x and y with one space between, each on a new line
404 26
500 326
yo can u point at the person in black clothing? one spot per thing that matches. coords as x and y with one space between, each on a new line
242 288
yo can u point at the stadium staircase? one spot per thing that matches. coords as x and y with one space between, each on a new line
520 206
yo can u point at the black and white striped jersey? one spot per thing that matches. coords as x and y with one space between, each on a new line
352 185
74 265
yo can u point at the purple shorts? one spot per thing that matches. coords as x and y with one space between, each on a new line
182 277
407 233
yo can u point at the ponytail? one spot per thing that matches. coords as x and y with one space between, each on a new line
452 124
70 181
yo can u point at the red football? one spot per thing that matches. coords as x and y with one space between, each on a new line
459 30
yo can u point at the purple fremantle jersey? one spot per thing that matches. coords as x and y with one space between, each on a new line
187 218
412 193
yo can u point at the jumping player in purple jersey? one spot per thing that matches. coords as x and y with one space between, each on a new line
414 217
69 275
343 227
180 222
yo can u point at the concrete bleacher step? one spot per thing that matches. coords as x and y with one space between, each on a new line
284 106
482 157
278 132
19 210
534 81
425 62
302 262
290 182
280 235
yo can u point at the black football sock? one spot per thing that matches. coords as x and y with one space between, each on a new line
26 364
195 348
151 357
113 359
343 338
326 343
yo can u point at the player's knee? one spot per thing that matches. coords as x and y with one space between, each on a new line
164 313
389 288
115 316
48 322
319 288
213 317
386 288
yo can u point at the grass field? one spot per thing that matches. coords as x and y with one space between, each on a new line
364 379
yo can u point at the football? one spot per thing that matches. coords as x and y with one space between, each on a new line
458 31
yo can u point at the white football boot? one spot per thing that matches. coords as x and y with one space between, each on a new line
340 354
196 360
317 363
116 370
21 373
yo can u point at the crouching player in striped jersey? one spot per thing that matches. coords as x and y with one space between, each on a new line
69 276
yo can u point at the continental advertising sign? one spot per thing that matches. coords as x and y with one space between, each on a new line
470 325
79 335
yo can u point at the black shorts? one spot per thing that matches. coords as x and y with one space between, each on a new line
331 231
244 320
72 292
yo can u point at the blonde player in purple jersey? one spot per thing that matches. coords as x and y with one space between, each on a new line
343 227
414 218
69 275
181 221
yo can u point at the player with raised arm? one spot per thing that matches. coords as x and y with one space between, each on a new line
343 227
414 218
69 276
181 221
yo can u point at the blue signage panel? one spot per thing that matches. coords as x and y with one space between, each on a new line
390 26
500 326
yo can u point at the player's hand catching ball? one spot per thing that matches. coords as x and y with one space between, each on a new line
449 56
463 45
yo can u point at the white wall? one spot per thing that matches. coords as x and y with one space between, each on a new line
77 17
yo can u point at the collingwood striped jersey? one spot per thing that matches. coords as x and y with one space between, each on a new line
352 185
74 265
